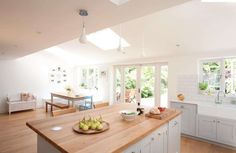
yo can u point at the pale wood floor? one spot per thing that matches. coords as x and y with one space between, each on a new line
16 137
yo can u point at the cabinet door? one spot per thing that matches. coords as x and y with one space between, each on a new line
188 118
207 127
146 144
174 135
226 132
132 149
159 144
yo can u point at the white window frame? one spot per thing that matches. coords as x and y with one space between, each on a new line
222 72
157 89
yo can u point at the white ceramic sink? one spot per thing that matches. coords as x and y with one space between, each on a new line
224 110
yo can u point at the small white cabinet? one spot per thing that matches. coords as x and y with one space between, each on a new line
174 135
133 149
188 117
165 139
206 127
217 129
156 142
226 131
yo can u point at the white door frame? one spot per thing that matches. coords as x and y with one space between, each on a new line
157 89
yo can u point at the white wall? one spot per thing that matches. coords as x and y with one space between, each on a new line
181 66
29 74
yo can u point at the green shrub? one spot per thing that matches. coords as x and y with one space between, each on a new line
203 86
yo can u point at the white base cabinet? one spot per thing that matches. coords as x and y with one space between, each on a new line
188 117
174 135
165 139
217 129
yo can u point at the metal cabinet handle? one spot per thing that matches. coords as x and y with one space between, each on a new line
218 121
152 139
181 106
214 120
159 134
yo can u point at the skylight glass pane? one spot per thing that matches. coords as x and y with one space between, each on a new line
223 1
106 39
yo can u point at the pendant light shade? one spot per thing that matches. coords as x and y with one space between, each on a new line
83 38
120 48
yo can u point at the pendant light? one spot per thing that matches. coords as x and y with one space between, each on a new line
83 38
120 48
143 54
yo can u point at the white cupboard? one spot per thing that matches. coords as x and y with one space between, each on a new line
188 117
160 141
217 129
226 131
174 135
206 127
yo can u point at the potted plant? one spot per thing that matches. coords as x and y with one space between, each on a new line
202 87
68 89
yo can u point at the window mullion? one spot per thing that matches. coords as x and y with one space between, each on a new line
223 75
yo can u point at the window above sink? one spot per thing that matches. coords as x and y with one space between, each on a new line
217 75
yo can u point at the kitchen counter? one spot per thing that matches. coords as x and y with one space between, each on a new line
227 111
120 136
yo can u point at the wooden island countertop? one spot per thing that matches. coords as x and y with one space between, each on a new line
120 136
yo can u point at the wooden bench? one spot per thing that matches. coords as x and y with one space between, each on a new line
58 105
99 105
63 111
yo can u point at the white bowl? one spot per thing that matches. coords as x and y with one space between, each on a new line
128 115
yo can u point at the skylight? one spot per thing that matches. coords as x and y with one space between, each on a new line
106 39
119 2
220 1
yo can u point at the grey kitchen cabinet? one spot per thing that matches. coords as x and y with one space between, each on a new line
165 139
226 131
217 129
174 135
189 117
206 127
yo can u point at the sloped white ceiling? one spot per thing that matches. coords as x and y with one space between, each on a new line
27 26
189 28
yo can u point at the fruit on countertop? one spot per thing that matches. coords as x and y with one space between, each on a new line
91 124
162 109
157 110
180 97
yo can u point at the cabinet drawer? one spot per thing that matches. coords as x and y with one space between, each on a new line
184 106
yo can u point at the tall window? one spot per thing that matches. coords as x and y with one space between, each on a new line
218 75
89 78
164 86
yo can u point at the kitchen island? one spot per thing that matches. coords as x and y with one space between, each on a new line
127 137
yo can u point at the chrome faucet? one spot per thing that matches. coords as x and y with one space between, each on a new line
218 100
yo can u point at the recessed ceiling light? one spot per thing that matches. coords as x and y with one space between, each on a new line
106 39
219 1
119 2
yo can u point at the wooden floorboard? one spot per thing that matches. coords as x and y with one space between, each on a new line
16 137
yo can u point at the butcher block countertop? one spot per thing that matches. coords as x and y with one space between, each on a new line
120 136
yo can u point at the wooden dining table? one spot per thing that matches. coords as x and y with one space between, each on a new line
70 97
